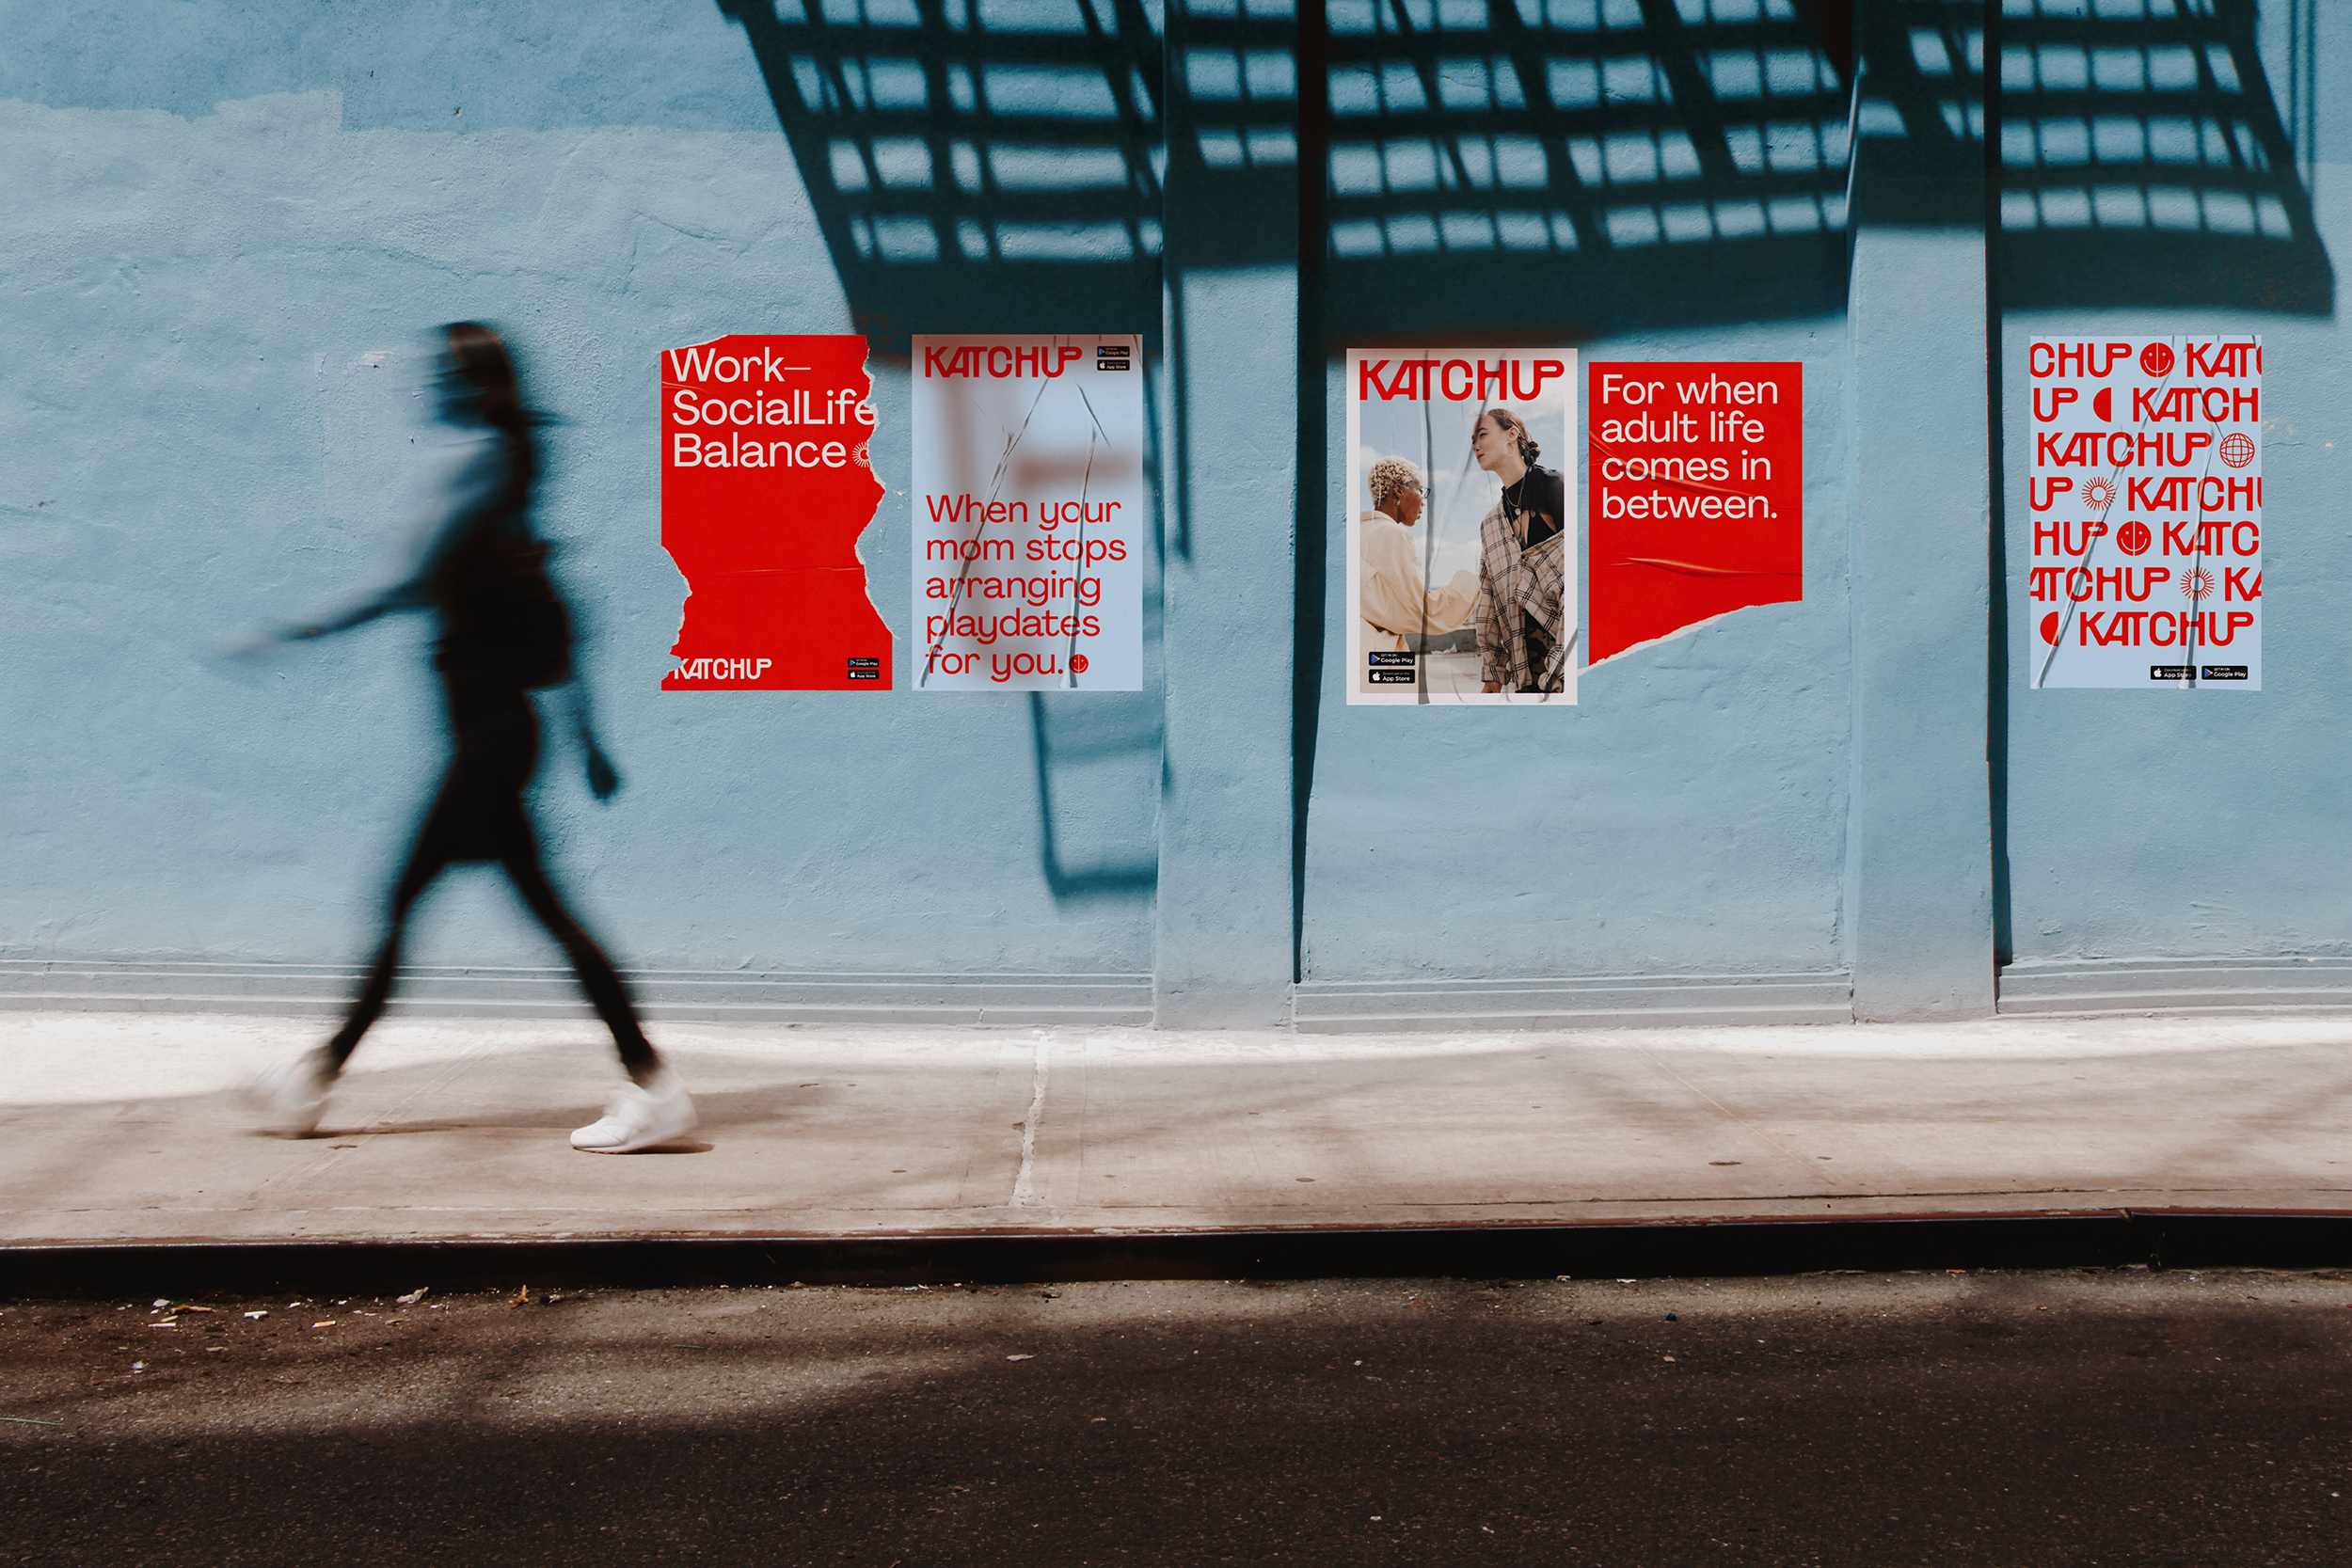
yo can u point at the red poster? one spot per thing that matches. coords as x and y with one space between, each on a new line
1695 486
765 485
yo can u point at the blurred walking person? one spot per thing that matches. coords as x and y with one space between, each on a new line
504 633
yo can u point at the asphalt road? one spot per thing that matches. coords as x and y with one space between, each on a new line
2108 1416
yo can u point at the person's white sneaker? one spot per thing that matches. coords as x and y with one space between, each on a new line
640 1118
292 1094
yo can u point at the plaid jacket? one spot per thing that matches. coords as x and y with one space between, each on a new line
1511 580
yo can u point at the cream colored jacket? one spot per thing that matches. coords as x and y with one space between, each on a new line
1393 598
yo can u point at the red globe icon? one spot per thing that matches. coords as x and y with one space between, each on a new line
2133 538
2156 360
2237 449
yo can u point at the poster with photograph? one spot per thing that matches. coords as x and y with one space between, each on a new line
767 483
1028 512
2145 496
1461 549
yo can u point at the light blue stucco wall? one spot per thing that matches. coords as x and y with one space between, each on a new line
2208 824
1686 816
191 452
224 231
2204 824
408 64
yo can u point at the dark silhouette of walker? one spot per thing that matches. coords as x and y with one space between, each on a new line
504 633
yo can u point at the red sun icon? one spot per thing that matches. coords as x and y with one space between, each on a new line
2198 584
2133 538
2156 360
2099 493
2237 449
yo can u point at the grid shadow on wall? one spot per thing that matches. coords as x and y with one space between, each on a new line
974 161
1578 167
1581 165
982 166
2143 160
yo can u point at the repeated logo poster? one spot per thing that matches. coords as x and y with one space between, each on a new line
1695 488
1461 552
2145 496
1028 512
765 485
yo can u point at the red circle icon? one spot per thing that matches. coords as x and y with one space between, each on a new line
2156 360
2049 627
2133 538
1077 664
2237 449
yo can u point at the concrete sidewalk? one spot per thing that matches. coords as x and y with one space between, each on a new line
118 1128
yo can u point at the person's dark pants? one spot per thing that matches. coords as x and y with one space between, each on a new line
479 815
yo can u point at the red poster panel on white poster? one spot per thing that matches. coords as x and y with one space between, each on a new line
767 486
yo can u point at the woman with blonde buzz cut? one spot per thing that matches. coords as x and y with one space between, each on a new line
1394 598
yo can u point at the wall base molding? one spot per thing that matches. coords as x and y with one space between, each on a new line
322 990
2175 985
2086 987
1594 1002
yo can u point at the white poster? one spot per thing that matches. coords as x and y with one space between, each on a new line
2145 495
1462 544
1028 512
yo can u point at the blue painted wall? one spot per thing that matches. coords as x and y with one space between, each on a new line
1686 817
225 230
2193 824
193 451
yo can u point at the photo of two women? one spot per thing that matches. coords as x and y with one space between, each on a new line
1462 567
